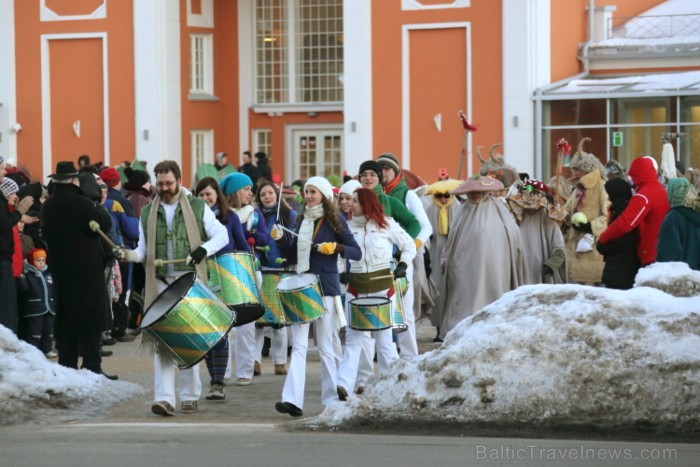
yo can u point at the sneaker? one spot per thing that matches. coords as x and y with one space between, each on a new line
126 338
287 407
242 382
133 332
342 393
51 354
188 406
281 369
216 393
163 408
359 390
256 369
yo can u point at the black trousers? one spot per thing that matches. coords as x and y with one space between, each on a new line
38 331
71 347
9 313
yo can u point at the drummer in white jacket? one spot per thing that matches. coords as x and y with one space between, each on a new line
371 276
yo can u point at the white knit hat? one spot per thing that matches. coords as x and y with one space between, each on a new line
349 187
322 185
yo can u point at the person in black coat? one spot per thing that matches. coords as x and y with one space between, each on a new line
78 262
621 261
263 166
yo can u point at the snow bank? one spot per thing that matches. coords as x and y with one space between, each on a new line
34 389
553 355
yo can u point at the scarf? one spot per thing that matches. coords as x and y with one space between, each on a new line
444 215
359 221
192 236
306 233
244 213
392 184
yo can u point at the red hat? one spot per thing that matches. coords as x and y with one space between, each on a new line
110 176
442 173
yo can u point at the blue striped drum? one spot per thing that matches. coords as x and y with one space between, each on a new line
187 320
233 277
370 313
301 297
398 320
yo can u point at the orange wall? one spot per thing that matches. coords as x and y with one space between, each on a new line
119 28
486 75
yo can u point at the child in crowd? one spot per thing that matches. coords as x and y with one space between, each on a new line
37 303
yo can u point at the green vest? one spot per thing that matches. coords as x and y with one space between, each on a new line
181 246
400 190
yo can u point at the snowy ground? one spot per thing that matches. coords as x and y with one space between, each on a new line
554 356
35 390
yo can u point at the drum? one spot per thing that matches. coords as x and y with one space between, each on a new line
301 298
398 320
188 320
401 285
232 277
370 313
274 312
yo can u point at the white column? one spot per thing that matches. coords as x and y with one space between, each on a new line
357 79
8 89
246 88
526 66
157 81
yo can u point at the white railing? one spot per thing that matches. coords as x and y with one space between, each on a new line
653 27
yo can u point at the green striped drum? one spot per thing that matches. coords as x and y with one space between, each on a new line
370 313
301 298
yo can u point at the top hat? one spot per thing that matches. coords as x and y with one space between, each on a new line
64 171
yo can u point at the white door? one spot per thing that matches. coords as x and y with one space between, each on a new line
317 152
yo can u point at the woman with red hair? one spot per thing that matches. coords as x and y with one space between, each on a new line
371 276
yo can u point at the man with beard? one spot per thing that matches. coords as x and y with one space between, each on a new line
175 225
78 263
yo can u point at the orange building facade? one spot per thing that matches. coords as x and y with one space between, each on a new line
323 85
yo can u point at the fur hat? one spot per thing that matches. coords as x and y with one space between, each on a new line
8 187
371 165
110 176
136 177
323 185
349 187
389 159
586 162
233 182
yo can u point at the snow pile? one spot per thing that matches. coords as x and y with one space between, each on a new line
676 279
549 356
33 388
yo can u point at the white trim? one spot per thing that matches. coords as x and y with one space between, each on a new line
246 86
46 93
406 86
291 167
47 14
417 5
292 108
203 20
207 150
8 83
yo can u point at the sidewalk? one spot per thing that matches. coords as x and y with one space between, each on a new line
244 404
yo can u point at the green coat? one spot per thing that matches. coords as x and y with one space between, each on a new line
399 212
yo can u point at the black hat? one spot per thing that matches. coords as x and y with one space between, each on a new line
64 171
373 166
136 177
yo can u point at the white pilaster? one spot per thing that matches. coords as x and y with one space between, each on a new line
357 31
526 66
8 88
157 81
246 87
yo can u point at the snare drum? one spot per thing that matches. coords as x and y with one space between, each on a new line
233 278
401 285
188 320
301 298
274 312
398 320
370 313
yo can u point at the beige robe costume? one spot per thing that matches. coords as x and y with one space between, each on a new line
541 237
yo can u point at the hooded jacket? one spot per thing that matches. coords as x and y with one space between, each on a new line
679 237
645 211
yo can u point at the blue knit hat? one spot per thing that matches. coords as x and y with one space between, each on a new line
231 183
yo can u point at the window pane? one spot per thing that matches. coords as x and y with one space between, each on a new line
271 51
575 112
639 142
643 111
550 138
690 144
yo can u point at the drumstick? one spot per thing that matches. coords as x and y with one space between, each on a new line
161 262
388 276
95 227
296 235
279 202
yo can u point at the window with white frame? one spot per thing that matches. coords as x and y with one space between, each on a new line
200 13
202 148
299 51
262 141
201 64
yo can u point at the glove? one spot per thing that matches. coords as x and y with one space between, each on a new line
196 256
400 270
546 270
344 278
24 204
124 255
276 232
585 228
418 243
328 248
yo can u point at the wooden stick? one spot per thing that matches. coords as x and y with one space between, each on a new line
279 202
161 262
95 227
388 276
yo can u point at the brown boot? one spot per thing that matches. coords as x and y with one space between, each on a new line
256 369
280 369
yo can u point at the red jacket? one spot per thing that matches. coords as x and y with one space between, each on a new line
645 211
17 256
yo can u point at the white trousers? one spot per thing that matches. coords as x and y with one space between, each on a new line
365 367
245 350
355 341
164 372
294 383
278 344
407 339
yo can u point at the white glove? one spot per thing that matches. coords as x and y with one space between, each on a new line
276 232
124 255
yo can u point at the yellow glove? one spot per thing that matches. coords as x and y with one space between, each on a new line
418 243
327 248
276 232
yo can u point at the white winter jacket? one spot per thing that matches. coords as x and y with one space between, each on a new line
377 244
